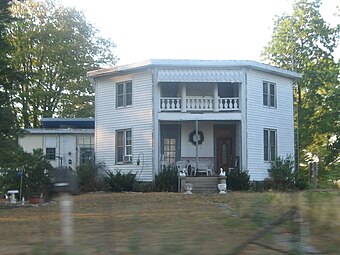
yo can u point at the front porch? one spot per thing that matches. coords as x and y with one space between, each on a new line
200 148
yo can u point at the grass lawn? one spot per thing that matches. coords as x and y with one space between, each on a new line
172 223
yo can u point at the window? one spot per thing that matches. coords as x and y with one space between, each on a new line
269 142
169 151
50 153
124 146
124 94
269 94
86 149
86 156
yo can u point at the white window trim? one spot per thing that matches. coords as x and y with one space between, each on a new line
269 145
124 93
268 105
125 155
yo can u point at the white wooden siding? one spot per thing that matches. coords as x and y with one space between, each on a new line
138 117
261 117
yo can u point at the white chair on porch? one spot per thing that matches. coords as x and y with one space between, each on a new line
182 167
204 167
236 165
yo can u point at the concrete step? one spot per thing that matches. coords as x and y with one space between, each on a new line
201 184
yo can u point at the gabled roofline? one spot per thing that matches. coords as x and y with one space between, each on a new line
185 63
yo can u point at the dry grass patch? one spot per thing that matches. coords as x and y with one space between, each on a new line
167 223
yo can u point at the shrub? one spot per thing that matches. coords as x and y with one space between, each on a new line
89 176
283 175
118 182
238 180
36 171
301 179
167 180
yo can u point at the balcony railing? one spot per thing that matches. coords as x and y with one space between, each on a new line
199 104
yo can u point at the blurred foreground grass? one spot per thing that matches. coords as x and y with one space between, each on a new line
172 223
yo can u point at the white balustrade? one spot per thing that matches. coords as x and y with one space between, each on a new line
170 104
199 104
230 103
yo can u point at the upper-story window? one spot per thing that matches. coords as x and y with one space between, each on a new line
124 93
269 94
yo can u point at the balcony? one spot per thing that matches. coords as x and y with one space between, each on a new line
196 103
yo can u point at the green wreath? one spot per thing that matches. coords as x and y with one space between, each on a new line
200 137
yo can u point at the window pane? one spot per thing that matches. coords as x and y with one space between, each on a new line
120 138
120 154
120 88
272 94
128 99
272 145
128 150
265 143
120 94
128 92
265 93
129 87
128 137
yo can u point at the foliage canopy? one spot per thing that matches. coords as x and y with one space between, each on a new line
305 43
53 48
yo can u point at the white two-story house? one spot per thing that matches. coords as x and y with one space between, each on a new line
152 114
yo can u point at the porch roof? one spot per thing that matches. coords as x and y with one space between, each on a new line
199 75
229 66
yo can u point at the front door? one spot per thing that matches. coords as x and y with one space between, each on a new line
170 145
224 147
224 153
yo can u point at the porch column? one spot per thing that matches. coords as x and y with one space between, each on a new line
183 97
196 146
215 97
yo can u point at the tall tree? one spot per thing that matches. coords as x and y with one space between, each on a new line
305 42
54 48
8 130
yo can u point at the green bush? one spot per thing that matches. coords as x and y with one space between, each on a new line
167 180
238 180
284 177
89 177
36 174
282 173
118 182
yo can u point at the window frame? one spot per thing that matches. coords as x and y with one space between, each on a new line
124 97
269 144
123 146
269 95
50 155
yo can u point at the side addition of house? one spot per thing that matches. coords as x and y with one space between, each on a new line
65 142
210 114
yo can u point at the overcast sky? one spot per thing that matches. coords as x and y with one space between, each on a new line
189 29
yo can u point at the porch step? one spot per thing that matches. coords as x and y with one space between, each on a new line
201 184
